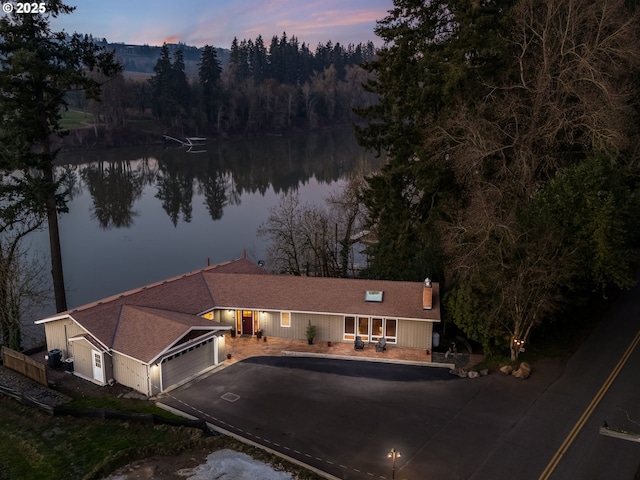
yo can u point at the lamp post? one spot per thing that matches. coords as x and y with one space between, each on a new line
393 454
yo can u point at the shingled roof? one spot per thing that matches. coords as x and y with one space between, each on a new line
341 296
144 322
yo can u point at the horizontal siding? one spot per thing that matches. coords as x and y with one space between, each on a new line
414 334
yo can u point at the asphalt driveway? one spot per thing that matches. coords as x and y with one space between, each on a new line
343 417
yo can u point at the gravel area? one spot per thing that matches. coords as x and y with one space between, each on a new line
13 384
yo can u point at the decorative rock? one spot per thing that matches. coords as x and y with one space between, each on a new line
507 369
523 371
473 374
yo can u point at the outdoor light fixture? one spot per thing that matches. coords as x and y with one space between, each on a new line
393 454
519 344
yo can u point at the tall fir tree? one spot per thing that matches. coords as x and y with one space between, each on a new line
209 73
37 68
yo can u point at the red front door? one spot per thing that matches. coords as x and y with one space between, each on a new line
247 322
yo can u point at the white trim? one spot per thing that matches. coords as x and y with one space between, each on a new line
53 319
311 312
79 338
69 317
185 346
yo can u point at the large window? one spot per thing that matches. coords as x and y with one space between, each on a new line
349 328
371 329
376 328
285 319
390 330
363 328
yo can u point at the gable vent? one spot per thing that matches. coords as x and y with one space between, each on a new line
373 296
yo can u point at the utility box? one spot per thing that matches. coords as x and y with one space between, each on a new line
68 364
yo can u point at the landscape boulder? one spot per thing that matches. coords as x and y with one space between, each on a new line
507 369
523 371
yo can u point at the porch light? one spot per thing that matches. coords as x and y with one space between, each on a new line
393 454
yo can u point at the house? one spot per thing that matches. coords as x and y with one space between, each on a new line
156 337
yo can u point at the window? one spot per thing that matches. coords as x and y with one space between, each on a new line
376 329
371 329
390 330
285 319
363 328
349 328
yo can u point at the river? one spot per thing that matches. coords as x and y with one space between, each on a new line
139 215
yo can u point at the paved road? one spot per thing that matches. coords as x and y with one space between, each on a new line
529 447
343 417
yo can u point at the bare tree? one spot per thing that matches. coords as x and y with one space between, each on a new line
569 98
347 214
21 281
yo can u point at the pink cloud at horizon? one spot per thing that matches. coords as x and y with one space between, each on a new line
196 22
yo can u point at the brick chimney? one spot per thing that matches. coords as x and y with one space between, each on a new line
427 295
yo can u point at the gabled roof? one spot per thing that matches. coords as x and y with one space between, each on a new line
321 295
185 296
146 322
159 330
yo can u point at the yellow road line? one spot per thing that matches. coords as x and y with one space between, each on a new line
589 410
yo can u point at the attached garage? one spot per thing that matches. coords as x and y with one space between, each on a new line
181 365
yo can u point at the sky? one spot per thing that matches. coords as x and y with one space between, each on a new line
217 22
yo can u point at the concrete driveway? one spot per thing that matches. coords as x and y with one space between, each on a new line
343 417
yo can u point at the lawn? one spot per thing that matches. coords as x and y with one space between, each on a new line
75 119
36 445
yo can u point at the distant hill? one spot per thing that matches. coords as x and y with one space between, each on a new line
142 58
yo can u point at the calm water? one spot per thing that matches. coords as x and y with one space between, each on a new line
139 215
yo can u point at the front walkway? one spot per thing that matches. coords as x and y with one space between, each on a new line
241 348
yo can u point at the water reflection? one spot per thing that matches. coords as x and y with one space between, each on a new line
114 187
139 215
226 171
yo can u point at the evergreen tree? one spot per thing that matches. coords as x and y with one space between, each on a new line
37 68
180 85
493 116
163 101
209 74
170 91
259 60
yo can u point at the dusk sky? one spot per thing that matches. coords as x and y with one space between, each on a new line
216 22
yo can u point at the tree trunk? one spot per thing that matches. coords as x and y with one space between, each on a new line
54 242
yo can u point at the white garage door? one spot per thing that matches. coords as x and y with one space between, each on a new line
181 366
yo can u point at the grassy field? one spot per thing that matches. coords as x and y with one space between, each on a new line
36 445
74 119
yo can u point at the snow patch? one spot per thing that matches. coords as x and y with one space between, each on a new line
231 465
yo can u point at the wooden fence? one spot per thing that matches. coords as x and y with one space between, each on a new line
25 365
